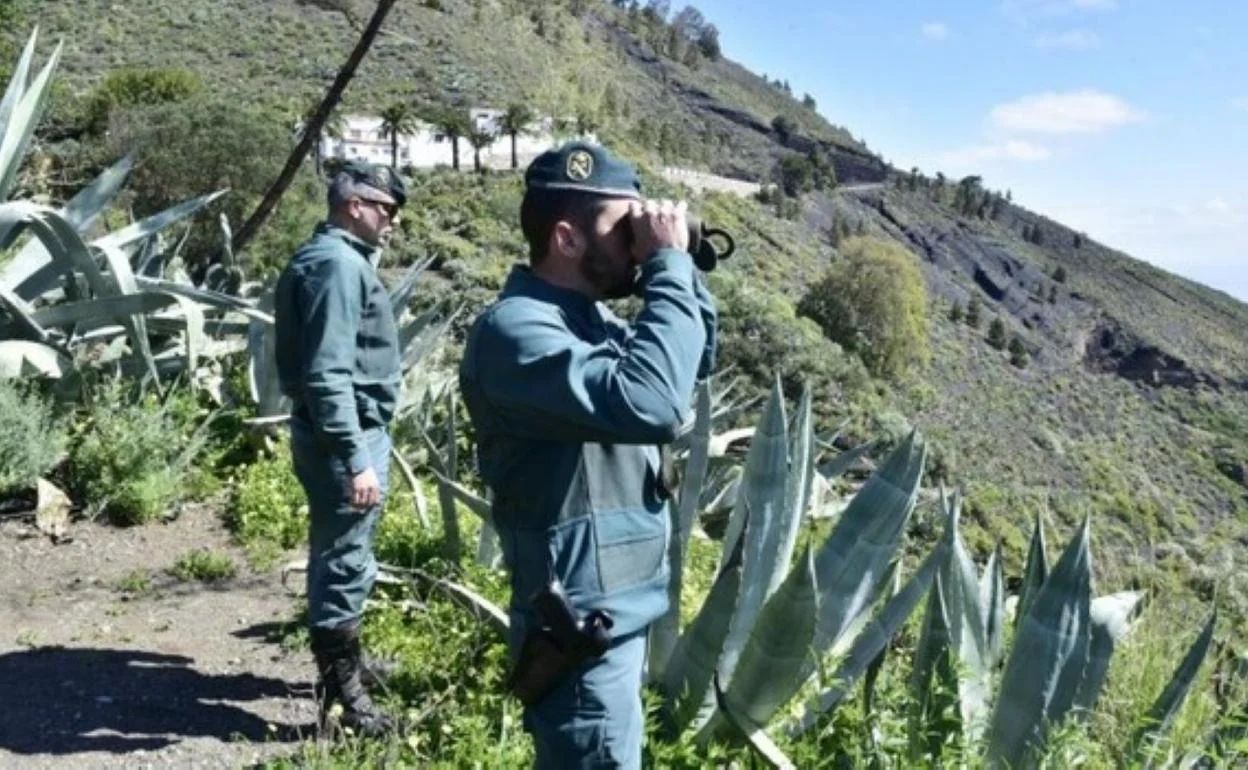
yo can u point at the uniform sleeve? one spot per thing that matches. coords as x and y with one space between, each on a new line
331 305
550 384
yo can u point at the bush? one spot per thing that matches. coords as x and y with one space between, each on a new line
996 334
268 513
873 303
128 457
32 440
200 145
761 335
128 88
1018 352
204 566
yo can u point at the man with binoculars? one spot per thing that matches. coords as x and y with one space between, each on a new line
571 405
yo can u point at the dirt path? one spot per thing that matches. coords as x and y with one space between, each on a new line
180 675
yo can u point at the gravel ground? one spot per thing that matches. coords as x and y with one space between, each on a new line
178 675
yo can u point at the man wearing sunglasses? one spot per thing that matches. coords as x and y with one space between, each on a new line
338 361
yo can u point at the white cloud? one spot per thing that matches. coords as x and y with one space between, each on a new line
1073 112
1240 103
1071 40
969 159
934 30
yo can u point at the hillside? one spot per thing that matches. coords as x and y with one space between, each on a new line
1134 407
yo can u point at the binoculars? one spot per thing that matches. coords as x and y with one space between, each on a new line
706 254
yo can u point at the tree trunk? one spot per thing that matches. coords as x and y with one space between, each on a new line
394 149
455 152
515 159
476 159
312 132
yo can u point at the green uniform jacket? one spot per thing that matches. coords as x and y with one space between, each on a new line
337 347
570 404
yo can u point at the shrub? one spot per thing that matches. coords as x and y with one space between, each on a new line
268 512
204 566
873 303
128 456
1018 352
761 335
32 440
200 145
127 88
974 309
996 334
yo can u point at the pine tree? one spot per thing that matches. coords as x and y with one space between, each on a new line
973 310
1059 274
1018 352
996 334
955 312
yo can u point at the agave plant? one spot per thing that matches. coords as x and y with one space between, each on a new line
62 292
769 618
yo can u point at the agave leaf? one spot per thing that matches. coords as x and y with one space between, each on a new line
721 441
1050 650
687 678
965 619
933 679
471 500
992 602
856 555
837 466
752 733
855 560
21 124
413 484
262 379
797 489
482 607
1167 705
1036 571
1110 616
402 292
877 663
207 297
31 271
22 313
416 339
17 81
874 639
779 649
763 491
453 542
21 358
140 231
664 632
489 549
90 313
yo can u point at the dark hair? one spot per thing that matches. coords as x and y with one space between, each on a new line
542 209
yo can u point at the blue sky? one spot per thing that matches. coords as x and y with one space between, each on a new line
1127 119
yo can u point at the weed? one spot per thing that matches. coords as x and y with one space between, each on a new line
203 566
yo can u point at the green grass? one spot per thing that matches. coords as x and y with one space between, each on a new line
203 566
135 583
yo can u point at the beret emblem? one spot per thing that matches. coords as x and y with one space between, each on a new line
580 166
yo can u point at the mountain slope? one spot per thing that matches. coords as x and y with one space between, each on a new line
1134 407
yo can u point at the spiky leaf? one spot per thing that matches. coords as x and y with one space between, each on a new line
1171 699
1050 650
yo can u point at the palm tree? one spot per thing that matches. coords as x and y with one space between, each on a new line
479 138
454 123
398 118
512 123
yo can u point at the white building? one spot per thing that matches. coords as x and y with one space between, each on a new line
362 138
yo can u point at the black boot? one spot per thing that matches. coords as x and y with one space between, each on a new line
339 663
375 672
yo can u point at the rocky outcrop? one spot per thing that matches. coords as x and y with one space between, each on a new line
1111 349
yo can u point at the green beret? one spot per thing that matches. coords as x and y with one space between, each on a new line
583 166
375 178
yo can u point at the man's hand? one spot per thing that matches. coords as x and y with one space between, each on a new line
657 225
365 489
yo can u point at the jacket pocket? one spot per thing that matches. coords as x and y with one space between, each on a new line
632 547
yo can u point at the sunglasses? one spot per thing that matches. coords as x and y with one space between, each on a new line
391 210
